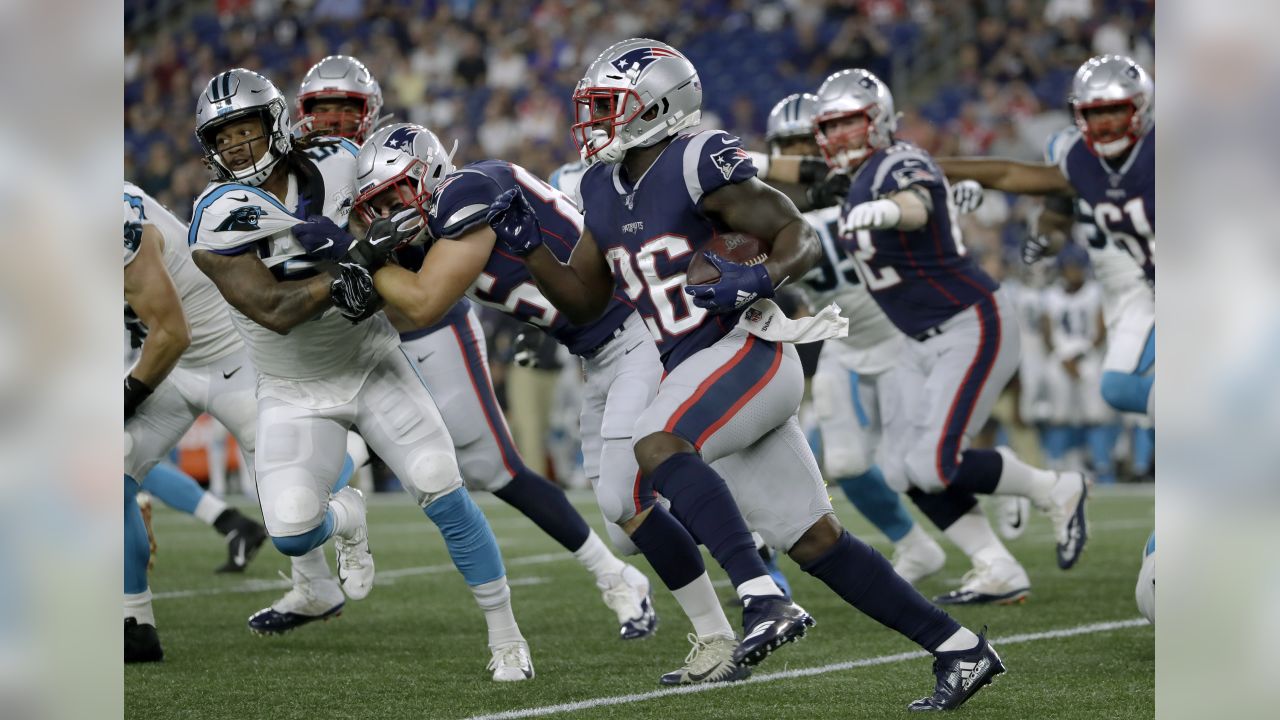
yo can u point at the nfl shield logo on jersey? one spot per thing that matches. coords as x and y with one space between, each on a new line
753 315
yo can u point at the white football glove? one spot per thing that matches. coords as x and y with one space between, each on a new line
967 195
1034 247
874 215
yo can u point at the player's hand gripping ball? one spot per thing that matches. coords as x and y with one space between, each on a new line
729 273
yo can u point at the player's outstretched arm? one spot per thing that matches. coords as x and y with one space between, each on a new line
251 288
151 293
450 267
754 208
1008 175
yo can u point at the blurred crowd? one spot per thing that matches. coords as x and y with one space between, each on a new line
971 77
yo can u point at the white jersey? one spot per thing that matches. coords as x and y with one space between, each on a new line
212 334
567 177
321 362
1073 319
873 339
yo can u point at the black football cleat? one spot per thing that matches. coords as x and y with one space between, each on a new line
960 674
141 642
768 623
244 538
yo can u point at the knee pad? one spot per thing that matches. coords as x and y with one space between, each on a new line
299 545
291 502
482 469
1126 392
844 460
433 473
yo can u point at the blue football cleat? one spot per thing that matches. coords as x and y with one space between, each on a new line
768 623
960 674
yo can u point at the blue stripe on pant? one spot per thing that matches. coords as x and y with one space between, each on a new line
966 399
723 393
476 368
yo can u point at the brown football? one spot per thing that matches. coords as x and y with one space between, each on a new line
735 247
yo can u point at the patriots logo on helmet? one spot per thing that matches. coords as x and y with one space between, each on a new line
633 62
244 217
728 160
401 139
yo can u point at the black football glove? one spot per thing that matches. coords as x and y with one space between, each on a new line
384 236
830 190
353 293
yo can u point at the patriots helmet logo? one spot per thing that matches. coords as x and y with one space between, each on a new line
728 160
242 218
633 62
402 138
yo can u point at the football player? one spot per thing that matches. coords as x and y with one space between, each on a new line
1107 163
850 369
341 98
732 385
320 371
961 348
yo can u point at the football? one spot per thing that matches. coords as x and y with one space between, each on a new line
735 247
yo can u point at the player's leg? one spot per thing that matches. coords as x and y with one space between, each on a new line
141 643
400 421
180 491
798 516
1128 370
718 401
967 366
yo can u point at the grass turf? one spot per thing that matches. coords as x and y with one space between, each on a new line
416 647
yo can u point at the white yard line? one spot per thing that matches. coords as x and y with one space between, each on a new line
799 672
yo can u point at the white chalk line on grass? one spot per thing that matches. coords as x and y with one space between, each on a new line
800 672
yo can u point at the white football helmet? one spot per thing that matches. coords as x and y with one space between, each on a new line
636 93
846 94
1110 81
792 116
340 77
234 95
405 158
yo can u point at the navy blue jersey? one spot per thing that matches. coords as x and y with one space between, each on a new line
1120 198
460 205
650 229
923 277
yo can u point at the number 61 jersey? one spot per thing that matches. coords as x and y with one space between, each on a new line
461 204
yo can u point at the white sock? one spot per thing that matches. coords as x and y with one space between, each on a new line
915 536
494 598
763 585
139 606
972 533
311 566
209 508
963 639
698 600
344 522
595 557
1019 478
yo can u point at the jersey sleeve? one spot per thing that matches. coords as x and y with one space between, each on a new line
712 160
229 219
461 203
134 217
906 169
1059 147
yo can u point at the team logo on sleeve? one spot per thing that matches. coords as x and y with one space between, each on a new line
635 61
242 218
911 172
728 160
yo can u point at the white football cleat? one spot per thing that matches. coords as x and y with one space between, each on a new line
355 562
710 660
511 662
1012 515
1066 510
307 601
629 596
917 556
1001 581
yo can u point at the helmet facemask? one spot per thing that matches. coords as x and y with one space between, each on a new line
1108 136
600 114
353 123
407 189
845 144
260 163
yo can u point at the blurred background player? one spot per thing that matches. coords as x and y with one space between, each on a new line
728 395
321 372
961 351
402 167
340 98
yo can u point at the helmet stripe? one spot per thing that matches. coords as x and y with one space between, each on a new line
226 83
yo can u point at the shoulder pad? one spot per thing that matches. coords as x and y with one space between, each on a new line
902 167
461 202
713 159
230 217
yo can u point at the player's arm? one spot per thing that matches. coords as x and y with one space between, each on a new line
250 287
151 293
754 208
1008 175
450 267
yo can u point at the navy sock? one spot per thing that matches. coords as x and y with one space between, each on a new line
702 502
866 580
943 508
979 471
548 508
669 548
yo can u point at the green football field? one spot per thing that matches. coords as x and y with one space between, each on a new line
415 648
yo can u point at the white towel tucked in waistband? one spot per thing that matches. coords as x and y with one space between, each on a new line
765 320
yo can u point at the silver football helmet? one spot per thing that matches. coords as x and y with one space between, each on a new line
846 94
405 158
792 116
1109 81
636 93
234 95
340 77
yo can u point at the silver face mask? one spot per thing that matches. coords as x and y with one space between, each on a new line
234 95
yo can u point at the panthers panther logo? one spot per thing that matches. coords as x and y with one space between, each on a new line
242 218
